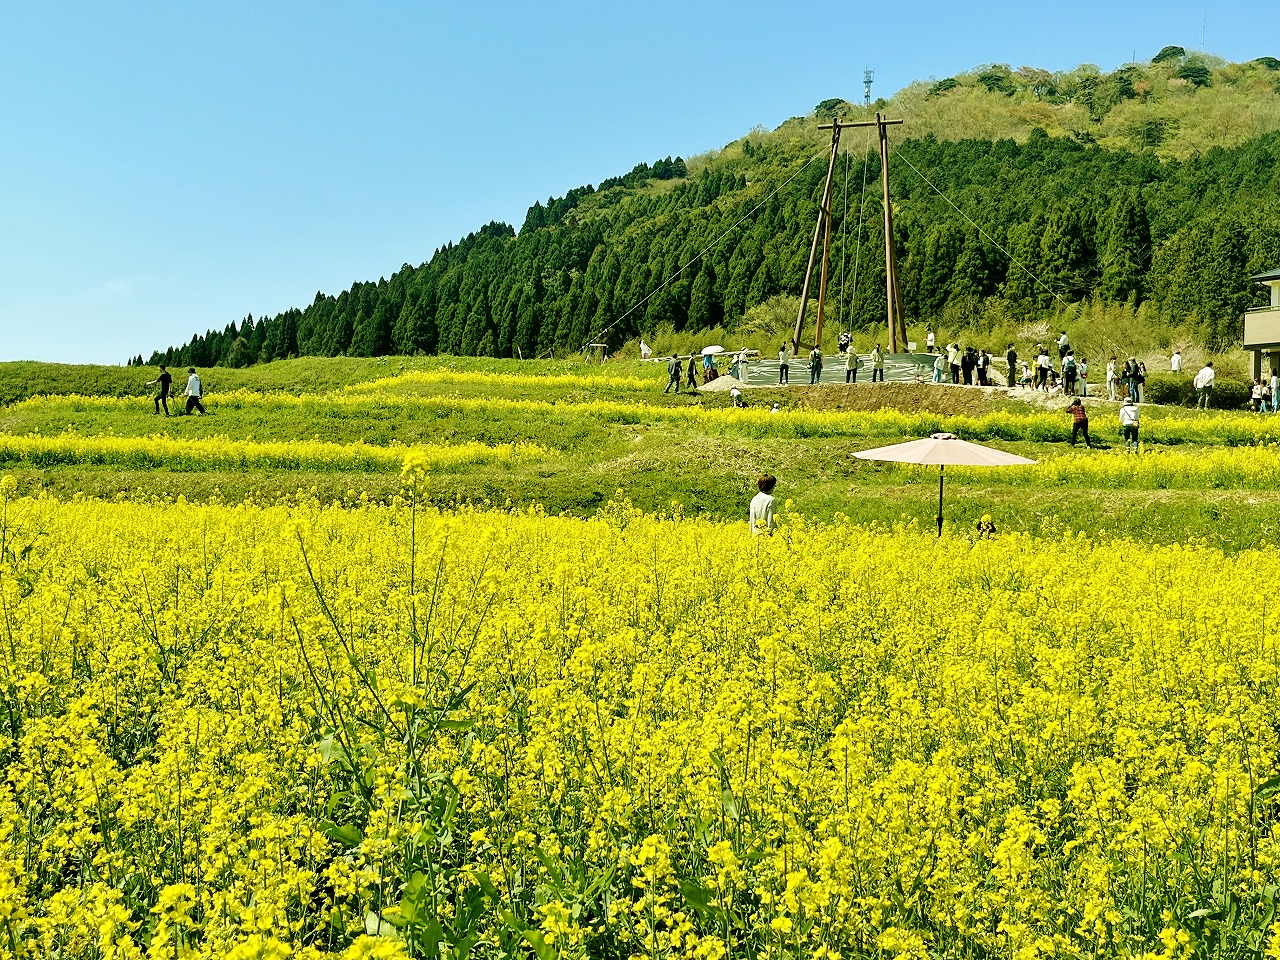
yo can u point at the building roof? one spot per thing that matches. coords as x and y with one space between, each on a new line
1269 275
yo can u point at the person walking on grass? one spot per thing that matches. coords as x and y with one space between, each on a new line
1129 424
1204 386
784 371
1011 359
877 364
675 371
1079 422
815 365
194 392
761 514
165 380
851 364
691 375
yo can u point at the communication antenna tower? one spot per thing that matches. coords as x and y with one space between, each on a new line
867 76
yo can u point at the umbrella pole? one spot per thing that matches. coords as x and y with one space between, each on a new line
940 469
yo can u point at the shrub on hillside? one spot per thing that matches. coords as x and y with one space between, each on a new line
1229 393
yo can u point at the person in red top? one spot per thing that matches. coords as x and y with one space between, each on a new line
1079 422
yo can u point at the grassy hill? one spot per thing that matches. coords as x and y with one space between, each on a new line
1020 196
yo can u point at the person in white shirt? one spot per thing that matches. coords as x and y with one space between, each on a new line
194 392
1043 366
761 514
784 368
1064 346
1204 386
929 340
1275 392
1111 379
1175 362
1129 424
645 351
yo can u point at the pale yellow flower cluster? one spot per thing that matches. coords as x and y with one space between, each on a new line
308 732
222 453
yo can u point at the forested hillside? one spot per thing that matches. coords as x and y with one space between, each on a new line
1014 190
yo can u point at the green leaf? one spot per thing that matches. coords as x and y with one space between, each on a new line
345 834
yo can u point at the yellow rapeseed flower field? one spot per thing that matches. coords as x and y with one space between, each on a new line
305 731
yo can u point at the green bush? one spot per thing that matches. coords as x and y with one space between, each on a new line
1177 389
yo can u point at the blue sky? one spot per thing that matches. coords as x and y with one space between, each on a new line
170 167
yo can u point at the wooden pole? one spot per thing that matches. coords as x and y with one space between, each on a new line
817 233
822 281
890 272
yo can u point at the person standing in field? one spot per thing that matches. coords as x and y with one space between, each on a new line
929 340
675 369
1083 369
1079 422
1111 378
1011 358
1140 376
953 360
1204 386
1129 424
851 364
194 392
1069 372
815 365
877 364
1042 370
939 365
761 514
1175 362
1064 346
784 371
165 379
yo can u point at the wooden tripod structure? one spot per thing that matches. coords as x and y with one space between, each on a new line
893 296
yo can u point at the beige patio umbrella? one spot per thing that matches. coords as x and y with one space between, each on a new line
943 449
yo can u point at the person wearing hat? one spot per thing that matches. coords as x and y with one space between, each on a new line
194 392
1129 424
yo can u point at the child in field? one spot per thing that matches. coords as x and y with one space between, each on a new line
761 514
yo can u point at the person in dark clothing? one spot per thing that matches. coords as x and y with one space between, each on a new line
691 377
968 360
674 371
984 365
1011 358
166 382
1079 422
